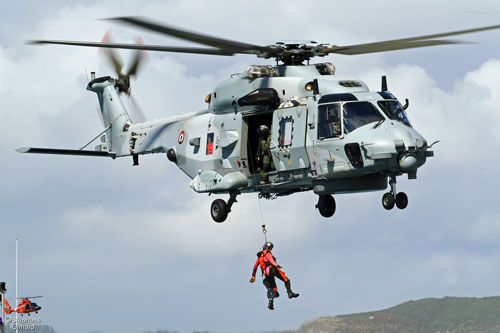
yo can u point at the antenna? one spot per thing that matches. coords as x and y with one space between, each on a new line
384 83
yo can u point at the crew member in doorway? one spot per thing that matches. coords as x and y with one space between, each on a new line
264 153
270 270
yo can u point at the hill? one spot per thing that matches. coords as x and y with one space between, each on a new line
449 314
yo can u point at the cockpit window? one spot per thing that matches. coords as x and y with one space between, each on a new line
329 121
357 114
394 110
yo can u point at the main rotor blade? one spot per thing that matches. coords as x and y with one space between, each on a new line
178 49
383 46
221 43
406 43
444 34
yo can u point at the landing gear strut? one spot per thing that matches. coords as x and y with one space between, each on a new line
219 208
326 205
391 198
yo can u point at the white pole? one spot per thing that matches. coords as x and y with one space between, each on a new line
15 302
2 326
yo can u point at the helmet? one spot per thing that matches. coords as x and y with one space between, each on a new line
268 246
263 131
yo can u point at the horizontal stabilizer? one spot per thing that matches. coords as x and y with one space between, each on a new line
66 152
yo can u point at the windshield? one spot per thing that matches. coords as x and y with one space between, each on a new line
394 110
357 114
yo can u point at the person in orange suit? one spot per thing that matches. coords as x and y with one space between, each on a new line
271 270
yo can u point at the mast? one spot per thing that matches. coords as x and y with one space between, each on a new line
16 292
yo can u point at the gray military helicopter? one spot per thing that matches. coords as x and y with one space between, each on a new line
328 135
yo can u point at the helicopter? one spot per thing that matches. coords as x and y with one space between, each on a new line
25 306
327 134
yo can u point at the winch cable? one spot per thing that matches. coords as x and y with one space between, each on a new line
260 210
254 175
264 231
262 218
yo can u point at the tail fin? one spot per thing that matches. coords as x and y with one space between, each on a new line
8 310
115 137
114 115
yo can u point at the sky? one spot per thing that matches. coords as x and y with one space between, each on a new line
117 248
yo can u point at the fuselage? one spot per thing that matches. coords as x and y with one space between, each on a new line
328 134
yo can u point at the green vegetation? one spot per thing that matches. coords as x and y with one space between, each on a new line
449 314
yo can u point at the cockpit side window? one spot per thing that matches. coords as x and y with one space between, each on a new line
394 110
357 114
329 121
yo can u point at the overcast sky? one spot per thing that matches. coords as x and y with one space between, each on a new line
116 248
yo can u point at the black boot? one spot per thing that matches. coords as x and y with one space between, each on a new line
271 304
291 294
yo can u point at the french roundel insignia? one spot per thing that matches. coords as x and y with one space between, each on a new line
181 137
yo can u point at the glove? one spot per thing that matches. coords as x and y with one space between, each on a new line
279 266
252 279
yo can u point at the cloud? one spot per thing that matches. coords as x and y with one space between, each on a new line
185 227
445 267
464 119
115 232
486 229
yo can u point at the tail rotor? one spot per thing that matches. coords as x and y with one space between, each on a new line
123 80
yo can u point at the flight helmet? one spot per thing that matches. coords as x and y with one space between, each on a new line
268 246
263 131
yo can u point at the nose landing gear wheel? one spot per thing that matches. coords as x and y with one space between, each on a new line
326 205
388 201
401 200
219 210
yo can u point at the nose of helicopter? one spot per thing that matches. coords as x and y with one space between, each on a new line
405 144
409 143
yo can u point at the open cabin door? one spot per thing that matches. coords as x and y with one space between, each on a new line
288 144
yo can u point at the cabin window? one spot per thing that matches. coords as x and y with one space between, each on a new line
285 132
357 114
329 121
210 143
394 110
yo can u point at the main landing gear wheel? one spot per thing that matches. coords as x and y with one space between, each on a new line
219 210
388 201
401 200
326 205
